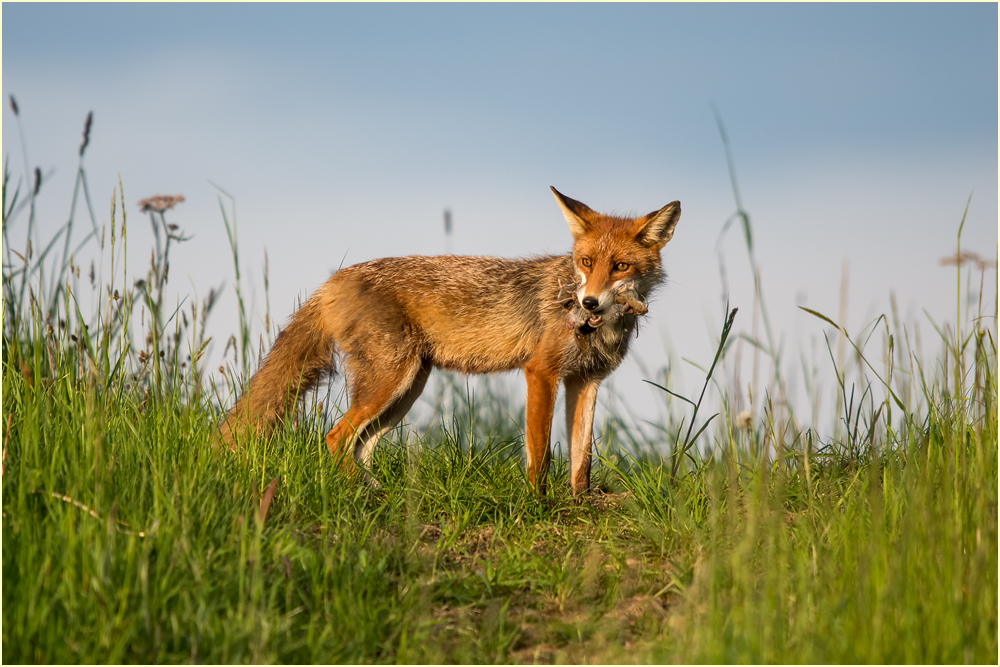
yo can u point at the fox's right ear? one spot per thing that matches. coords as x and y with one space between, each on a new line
577 214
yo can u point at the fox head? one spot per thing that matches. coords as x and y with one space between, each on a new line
611 253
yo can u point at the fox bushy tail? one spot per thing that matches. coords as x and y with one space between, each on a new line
300 359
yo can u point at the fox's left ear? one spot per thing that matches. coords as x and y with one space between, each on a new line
655 229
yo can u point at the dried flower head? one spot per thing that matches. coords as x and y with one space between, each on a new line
86 132
964 257
160 203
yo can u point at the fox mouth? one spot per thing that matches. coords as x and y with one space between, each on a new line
590 325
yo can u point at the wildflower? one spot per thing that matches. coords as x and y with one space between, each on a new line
744 420
160 203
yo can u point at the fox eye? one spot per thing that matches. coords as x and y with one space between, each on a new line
621 266
586 262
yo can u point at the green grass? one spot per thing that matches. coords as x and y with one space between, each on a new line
892 559
128 537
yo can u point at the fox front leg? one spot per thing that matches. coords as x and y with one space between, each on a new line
542 376
581 398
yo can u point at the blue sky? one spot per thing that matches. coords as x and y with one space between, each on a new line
344 131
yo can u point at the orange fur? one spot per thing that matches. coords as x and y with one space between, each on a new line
389 321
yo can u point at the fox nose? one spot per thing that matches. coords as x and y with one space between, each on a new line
589 302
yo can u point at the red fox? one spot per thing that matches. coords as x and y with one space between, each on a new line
389 321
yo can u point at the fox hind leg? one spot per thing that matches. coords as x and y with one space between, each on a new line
380 397
389 418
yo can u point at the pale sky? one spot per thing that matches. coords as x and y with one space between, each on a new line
344 131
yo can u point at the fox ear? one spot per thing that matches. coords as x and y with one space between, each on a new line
655 229
577 214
